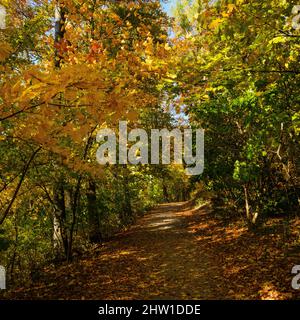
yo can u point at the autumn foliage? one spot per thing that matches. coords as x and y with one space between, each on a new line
71 67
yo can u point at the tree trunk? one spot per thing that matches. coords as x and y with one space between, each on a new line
165 192
95 235
127 213
60 241
251 217
60 21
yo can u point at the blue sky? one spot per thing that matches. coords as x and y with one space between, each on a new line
167 6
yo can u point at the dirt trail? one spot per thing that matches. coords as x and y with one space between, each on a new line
155 259
170 266
173 252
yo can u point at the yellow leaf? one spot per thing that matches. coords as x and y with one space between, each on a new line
214 24
5 50
231 7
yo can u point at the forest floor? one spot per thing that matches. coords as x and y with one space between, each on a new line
176 252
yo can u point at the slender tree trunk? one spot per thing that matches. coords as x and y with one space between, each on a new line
127 213
60 21
251 217
74 202
60 240
95 235
165 192
23 175
247 209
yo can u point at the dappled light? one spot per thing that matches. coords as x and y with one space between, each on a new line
149 152
193 258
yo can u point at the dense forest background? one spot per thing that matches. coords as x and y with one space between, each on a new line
71 67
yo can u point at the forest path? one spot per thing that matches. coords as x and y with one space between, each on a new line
161 258
174 252
157 258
